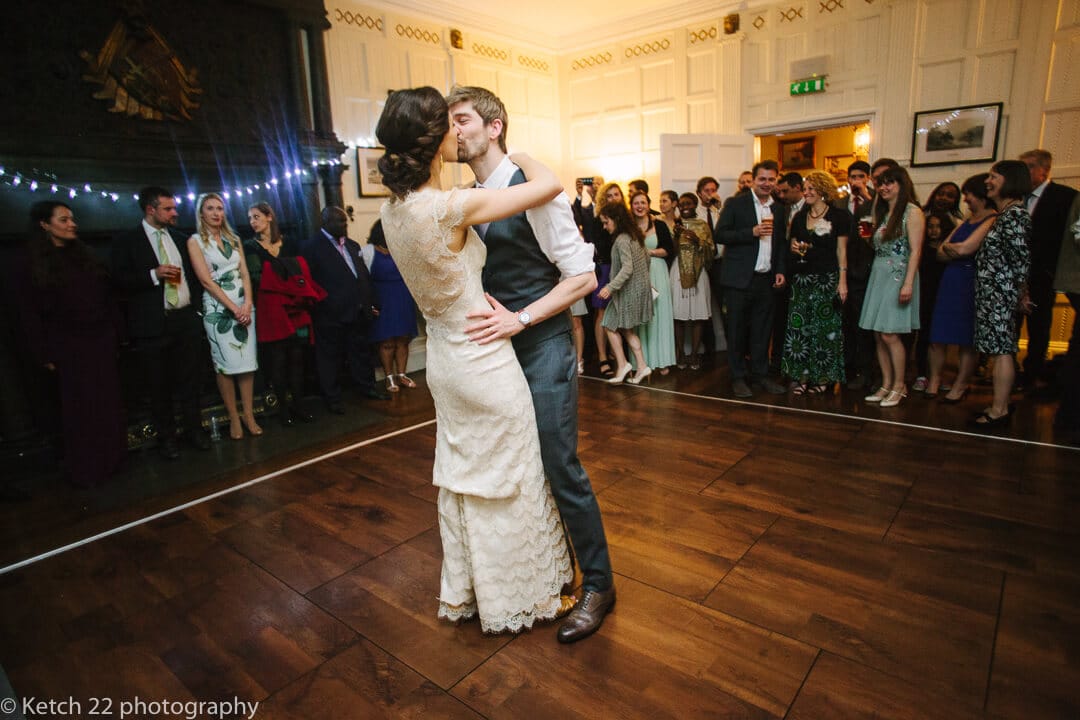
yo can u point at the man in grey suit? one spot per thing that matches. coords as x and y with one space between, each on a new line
753 230
537 267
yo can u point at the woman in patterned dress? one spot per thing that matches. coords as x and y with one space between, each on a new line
629 292
1001 268
814 346
891 307
228 314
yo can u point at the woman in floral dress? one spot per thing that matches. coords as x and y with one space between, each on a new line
814 346
228 313
1001 269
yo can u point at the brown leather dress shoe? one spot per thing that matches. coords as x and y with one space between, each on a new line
587 615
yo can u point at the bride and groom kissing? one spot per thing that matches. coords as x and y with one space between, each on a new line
494 268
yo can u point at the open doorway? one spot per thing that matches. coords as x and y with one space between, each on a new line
831 148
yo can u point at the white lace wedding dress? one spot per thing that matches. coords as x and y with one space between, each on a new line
504 555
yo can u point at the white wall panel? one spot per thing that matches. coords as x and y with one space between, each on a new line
622 89
1069 15
701 72
1064 84
428 68
944 26
701 116
479 74
656 122
585 139
658 82
994 76
621 133
513 91
585 95
940 85
1061 135
542 95
1000 21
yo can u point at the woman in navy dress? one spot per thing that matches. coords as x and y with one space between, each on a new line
395 325
953 320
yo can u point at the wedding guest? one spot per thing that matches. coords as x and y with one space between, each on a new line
609 194
1002 260
858 343
938 227
690 290
945 200
152 268
1067 280
813 346
285 294
669 209
395 325
891 307
71 323
628 291
657 335
228 311
953 320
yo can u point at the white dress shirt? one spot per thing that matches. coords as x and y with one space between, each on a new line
1032 201
552 223
183 291
764 253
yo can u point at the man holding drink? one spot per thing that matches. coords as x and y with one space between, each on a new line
859 343
753 229
152 269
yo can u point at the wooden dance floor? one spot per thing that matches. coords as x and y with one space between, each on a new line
770 563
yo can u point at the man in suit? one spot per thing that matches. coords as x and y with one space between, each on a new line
752 229
1049 205
537 267
858 343
1067 281
163 298
343 319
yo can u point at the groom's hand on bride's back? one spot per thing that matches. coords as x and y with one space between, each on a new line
495 323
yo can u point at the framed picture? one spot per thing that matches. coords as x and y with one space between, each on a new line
797 154
951 136
837 165
368 177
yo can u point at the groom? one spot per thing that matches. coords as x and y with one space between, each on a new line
537 267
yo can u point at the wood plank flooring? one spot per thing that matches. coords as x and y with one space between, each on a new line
769 564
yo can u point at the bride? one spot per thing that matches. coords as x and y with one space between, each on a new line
504 553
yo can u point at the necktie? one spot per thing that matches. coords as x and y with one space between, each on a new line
345 255
856 203
172 293
712 225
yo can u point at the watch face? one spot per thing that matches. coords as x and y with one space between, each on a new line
525 318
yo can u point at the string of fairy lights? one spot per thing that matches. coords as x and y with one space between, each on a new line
36 180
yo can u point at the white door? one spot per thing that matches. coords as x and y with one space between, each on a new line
685 158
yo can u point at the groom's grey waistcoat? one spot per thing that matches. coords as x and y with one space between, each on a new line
517 272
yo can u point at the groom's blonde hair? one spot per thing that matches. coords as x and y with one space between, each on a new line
486 103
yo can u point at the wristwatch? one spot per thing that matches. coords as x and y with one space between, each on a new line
524 318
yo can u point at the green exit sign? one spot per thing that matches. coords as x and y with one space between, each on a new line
805 87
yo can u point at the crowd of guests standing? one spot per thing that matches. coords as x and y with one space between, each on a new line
179 303
819 288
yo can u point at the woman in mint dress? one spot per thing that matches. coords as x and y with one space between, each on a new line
657 335
891 306
228 311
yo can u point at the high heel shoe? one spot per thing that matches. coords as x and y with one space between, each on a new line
580 367
953 401
391 386
252 426
878 396
405 381
642 374
893 398
621 375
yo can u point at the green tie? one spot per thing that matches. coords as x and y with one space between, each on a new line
172 293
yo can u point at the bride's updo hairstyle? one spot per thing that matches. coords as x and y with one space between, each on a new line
413 125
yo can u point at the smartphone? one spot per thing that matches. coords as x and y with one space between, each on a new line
586 181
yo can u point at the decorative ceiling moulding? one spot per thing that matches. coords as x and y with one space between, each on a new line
648 47
491 51
831 6
531 62
791 14
593 60
418 33
700 34
357 19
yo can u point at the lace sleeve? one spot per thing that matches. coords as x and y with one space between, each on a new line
418 230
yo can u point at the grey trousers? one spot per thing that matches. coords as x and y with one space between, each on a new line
551 370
